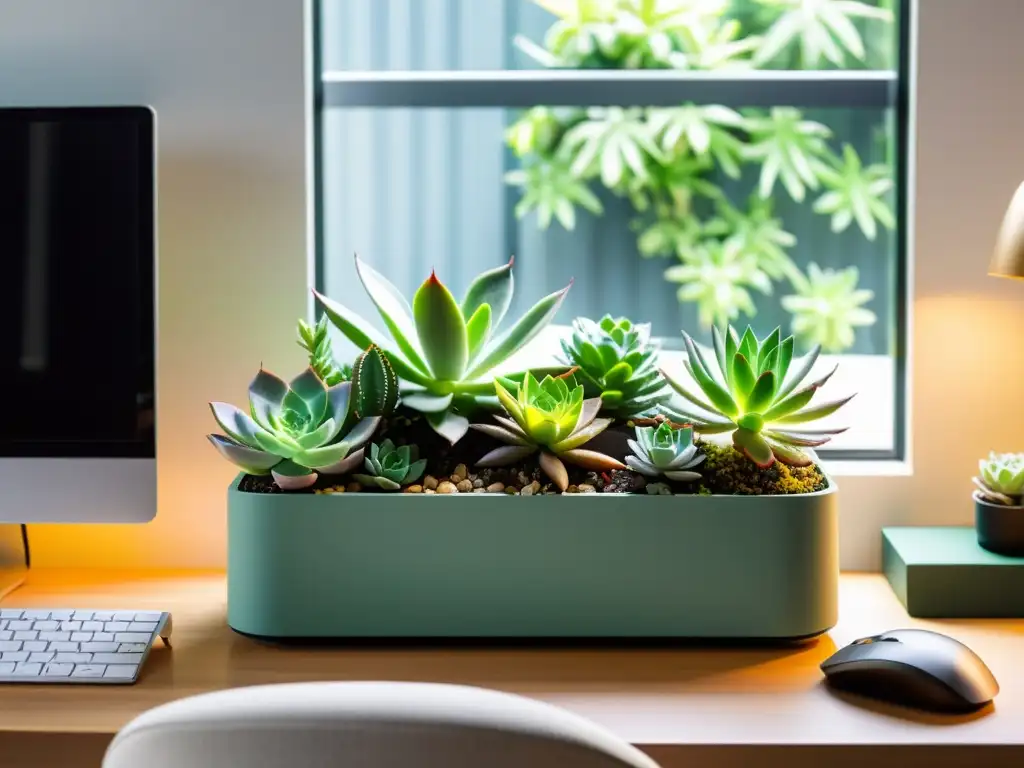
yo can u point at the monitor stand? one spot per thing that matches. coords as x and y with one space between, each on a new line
14 557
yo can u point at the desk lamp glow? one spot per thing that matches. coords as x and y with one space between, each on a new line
1008 259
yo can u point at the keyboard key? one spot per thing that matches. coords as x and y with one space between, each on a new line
98 647
117 658
6 635
103 616
34 645
26 635
151 616
37 614
10 645
71 626
92 626
58 670
6 667
132 637
14 656
103 637
10 613
27 669
115 626
46 626
59 646
142 626
20 624
82 616
61 615
81 637
88 670
3 623
41 657
73 658
132 648
121 670
124 616
63 636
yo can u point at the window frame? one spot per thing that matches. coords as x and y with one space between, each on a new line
756 88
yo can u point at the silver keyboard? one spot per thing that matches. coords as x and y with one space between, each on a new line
76 646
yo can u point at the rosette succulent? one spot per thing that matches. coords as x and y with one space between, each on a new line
616 361
1001 479
294 430
550 417
665 451
390 467
443 350
757 393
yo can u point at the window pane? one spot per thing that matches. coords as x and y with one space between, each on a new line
616 34
639 207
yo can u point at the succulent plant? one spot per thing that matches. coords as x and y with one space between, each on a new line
296 430
1001 478
549 417
390 467
444 350
374 384
665 451
827 307
754 395
616 361
317 343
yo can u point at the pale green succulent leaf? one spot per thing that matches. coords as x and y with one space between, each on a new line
743 379
277 443
309 388
394 311
582 436
478 329
238 425
494 288
266 395
754 447
441 329
250 460
505 455
762 393
449 425
427 403
322 456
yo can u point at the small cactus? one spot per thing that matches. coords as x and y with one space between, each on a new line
374 384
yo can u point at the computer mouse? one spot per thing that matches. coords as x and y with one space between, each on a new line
914 668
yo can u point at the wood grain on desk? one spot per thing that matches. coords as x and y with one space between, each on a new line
659 698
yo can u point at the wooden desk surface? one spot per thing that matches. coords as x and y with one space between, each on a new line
662 699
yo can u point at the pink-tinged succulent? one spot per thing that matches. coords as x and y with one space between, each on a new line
549 417
294 430
756 394
443 350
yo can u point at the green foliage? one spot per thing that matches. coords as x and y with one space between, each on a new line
293 430
827 307
317 343
1001 478
617 362
374 384
727 471
664 160
443 349
549 416
665 450
757 394
389 467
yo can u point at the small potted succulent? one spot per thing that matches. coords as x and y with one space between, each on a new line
998 509
383 495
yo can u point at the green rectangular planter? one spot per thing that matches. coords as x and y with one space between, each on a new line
943 573
399 565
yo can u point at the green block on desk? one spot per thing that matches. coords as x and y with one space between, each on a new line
942 573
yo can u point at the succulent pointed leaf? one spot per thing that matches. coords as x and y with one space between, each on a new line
394 311
427 403
318 436
524 330
338 405
763 392
505 455
785 358
799 373
343 466
754 447
323 456
638 464
278 444
290 476
238 425
555 469
721 399
441 329
812 414
720 355
793 438
591 459
510 403
362 431
311 390
797 400
582 436
266 394
478 329
790 455
502 433
588 412
251 460
742 378
415 471
748 345
451 426
494 288
769 345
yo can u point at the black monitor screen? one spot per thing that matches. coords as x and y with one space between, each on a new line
77 287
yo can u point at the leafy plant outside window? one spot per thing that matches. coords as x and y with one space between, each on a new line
665 160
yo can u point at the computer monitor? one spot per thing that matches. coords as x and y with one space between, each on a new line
77 306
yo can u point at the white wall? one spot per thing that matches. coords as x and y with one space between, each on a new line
227 79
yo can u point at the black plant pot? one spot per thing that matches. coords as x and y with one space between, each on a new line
1000 528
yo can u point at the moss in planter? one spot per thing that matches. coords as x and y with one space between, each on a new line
727 471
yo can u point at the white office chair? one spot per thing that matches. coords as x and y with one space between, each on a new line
366 725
